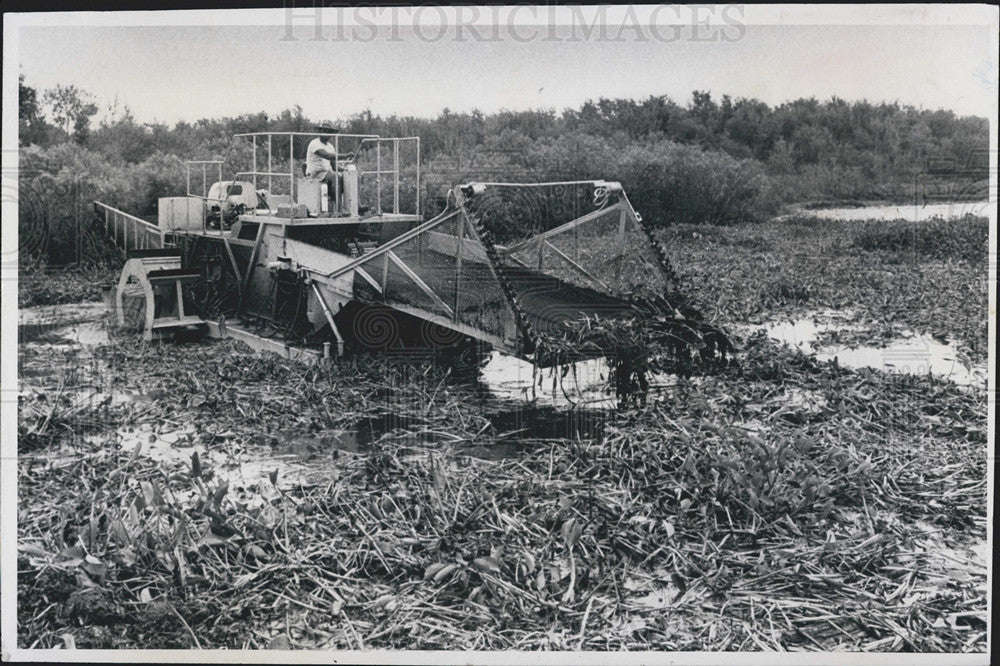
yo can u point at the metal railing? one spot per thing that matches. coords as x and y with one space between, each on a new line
205 185
257 138
378 171
129 232
272 170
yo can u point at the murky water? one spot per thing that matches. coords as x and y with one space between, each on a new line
912 353
583 384
911 212
580 385
80 324
301 460
505 377
256 474
305 459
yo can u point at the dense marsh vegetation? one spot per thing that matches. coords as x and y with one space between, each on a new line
781 504
930 276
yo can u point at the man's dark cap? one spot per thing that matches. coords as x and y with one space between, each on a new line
326 128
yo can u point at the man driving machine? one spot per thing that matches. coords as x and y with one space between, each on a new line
321 161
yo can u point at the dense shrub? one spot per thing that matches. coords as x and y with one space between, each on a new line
666 182
671 182
710 161
58 185
159 176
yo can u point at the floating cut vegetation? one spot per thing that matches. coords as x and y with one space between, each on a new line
652 340
783 505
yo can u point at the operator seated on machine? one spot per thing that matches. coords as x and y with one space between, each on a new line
321 162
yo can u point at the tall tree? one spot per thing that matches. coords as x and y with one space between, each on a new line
27 101
71 109
31 125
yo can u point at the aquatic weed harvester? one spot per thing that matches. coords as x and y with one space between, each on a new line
548 272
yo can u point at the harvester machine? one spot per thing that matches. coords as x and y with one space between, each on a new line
312 267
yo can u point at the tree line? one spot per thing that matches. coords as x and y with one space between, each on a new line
882 140
706 160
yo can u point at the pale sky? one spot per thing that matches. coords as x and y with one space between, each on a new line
171 73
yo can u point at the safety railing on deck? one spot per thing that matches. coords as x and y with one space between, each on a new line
259 172
205 183
387 169
379 171
129 232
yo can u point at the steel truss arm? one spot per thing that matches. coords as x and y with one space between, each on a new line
420 283
580 269
394 243
572 224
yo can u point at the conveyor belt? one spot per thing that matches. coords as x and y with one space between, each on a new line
545 300
548 301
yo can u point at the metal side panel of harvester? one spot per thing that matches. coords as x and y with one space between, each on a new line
291 265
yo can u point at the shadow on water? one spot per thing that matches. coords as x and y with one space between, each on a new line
505 427
71 333
514 432
509 434
295 458
546 422
372 428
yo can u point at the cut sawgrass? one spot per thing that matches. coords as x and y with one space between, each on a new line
728 516
654 338
41 285
781 504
